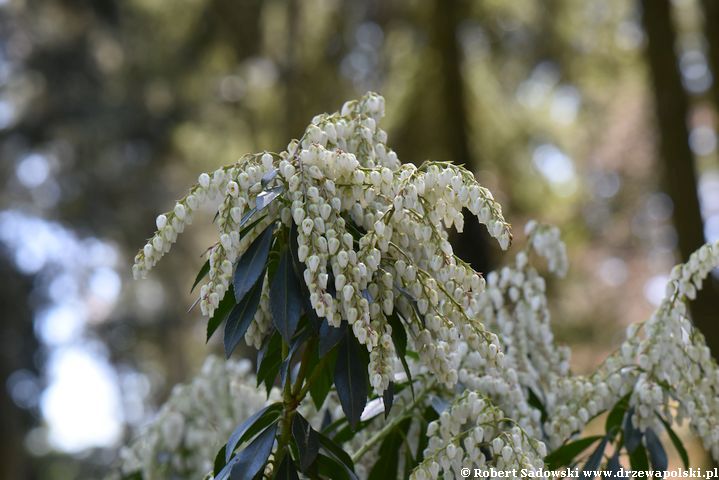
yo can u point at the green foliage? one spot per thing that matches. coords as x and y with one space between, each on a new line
351 378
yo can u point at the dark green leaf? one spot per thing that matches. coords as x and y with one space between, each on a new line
269 176
221 312
346 432
638 459
266 197
252 264
225 472
427 416
399 335
388 399
307 441
251 426
285 299
657 454
220 460
677 442
329 468
351 378
399 338
632 435
536 402
613 464
322 383
297 342
253 458
287 470
269 361
595 458
336 452
387 464
246 217
240 318
133 476
201 274
565 454
616 415
250 225
330 336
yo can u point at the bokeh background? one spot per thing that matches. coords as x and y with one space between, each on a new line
597 115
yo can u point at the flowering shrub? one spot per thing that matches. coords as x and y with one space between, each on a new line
385 355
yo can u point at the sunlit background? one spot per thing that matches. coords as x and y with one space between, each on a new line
109 109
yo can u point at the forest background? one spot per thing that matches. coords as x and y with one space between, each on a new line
598 116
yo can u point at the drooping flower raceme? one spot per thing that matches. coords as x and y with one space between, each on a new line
333 259
184 436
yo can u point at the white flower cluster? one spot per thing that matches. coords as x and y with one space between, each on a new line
172 223
368 228
546 241
669 362
373 243
514 305
183 438
473 433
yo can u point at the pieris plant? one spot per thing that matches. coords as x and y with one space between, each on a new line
384 355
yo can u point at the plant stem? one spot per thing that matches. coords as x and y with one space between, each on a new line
292 396
289 407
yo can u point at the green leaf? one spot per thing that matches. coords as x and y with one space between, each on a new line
253 458
351 378
241 316
252 264
251 225
595 458
266 197
677 442
632 435
566 453
221 312
328 467
133 476
251 426
613 464
269 361
336 452
322 383
330 336
225 472
657 454
638 459
285 299
220 460
399 338
616 415
287 470
297 342
536 402
307 441
268 176
427 416
201 274
387 464
388 399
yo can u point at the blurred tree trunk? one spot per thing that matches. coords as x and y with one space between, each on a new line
17 349
678 170
453 124
711 33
